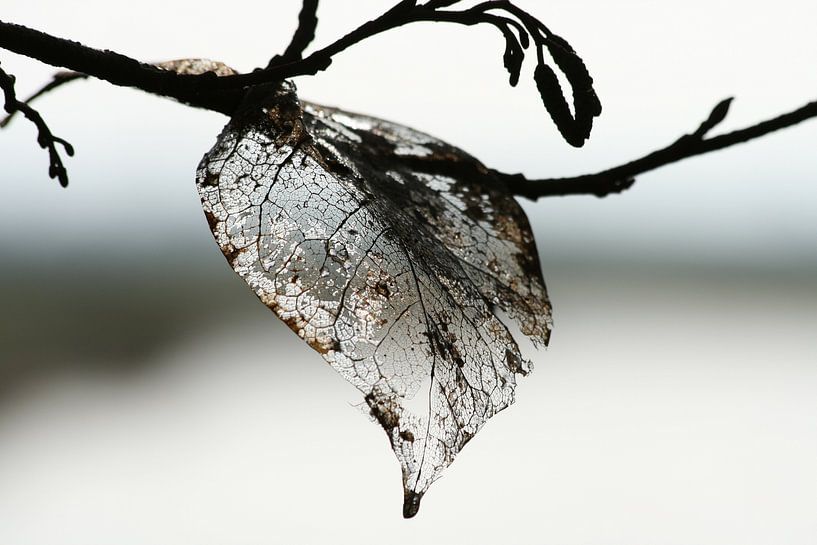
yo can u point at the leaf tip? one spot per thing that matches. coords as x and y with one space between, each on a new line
411 503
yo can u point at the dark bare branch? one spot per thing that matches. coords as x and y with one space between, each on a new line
225 94
45 138
195 90
620 178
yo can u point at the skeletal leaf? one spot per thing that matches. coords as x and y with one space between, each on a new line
388 251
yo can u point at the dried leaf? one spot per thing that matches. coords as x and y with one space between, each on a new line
388 251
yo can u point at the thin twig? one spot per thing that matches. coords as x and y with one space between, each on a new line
622 177
45 137
58 80
303 36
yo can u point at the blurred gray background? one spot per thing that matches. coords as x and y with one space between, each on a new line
147 397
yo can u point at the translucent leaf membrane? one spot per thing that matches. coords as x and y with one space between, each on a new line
387 251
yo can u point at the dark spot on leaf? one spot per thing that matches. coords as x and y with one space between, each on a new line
210 179
212 220
384 412
231 253
514 363
383 289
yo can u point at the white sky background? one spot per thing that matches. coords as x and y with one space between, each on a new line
665 412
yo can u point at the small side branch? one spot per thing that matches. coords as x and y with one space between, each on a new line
519 29
59 79
45 137
621 178
304 34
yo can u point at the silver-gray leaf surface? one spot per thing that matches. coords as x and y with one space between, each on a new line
389 252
